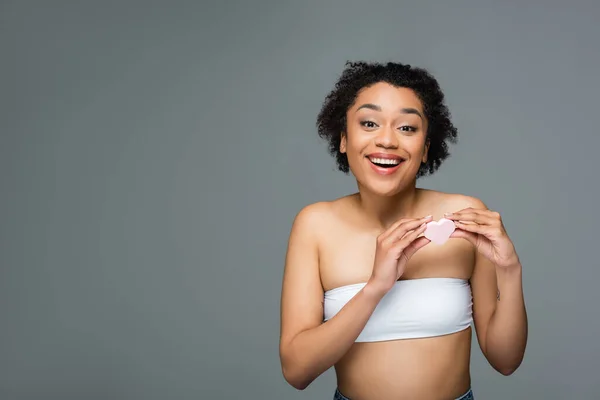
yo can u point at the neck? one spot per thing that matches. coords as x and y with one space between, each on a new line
386 210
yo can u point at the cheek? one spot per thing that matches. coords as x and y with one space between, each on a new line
355 143
415 146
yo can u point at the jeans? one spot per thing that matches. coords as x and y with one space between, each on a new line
466 396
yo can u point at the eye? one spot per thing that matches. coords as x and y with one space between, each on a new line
408 128
368 124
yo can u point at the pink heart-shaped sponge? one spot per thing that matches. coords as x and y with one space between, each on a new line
439 231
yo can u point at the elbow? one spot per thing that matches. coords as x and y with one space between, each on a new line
509 369
295 379
293 373
504 360
506 371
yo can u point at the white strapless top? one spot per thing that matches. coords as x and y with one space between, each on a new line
413 308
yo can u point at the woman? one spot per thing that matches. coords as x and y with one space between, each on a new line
364 289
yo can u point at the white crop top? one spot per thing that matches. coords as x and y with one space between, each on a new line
413 308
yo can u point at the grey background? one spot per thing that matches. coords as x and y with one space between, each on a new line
154 154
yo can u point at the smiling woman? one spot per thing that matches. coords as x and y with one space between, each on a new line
364 290
374 123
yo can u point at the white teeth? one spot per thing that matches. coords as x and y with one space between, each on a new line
385 161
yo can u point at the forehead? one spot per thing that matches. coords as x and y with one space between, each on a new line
388 97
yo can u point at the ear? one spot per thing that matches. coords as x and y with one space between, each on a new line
426 152
343 143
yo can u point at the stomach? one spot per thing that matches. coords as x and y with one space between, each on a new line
428 368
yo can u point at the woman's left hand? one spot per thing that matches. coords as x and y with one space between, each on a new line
485 230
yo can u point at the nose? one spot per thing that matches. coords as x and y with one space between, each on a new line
387 138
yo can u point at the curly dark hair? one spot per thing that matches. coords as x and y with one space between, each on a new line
331 121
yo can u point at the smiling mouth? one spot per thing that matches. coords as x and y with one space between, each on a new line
385 162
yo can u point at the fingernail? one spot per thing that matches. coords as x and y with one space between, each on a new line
428 216
447 214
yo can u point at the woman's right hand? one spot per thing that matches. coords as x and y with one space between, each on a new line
395 246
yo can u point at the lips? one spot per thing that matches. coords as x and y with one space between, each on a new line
384 163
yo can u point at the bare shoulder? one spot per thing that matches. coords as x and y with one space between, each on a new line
312 217
452 202
314 211
302 291
320 217
310 225
461 201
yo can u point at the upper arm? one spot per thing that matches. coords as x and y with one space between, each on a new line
484 287
302 292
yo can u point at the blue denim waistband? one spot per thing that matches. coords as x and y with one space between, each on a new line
467 396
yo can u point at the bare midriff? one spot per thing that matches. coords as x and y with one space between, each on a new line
427 368
424 368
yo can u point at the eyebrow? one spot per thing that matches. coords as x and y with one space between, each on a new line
404 110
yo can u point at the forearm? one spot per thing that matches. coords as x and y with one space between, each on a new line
507 330
312 352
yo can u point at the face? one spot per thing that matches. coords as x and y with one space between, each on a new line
385 140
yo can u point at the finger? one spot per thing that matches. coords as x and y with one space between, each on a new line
470 216
473 228
409 238
471 210
393 229
391 234
470 236
383 236
415 245
486 214
417 225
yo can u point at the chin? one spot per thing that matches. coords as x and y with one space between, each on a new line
384 189
385 185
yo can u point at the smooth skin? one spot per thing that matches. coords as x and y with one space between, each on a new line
375 236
